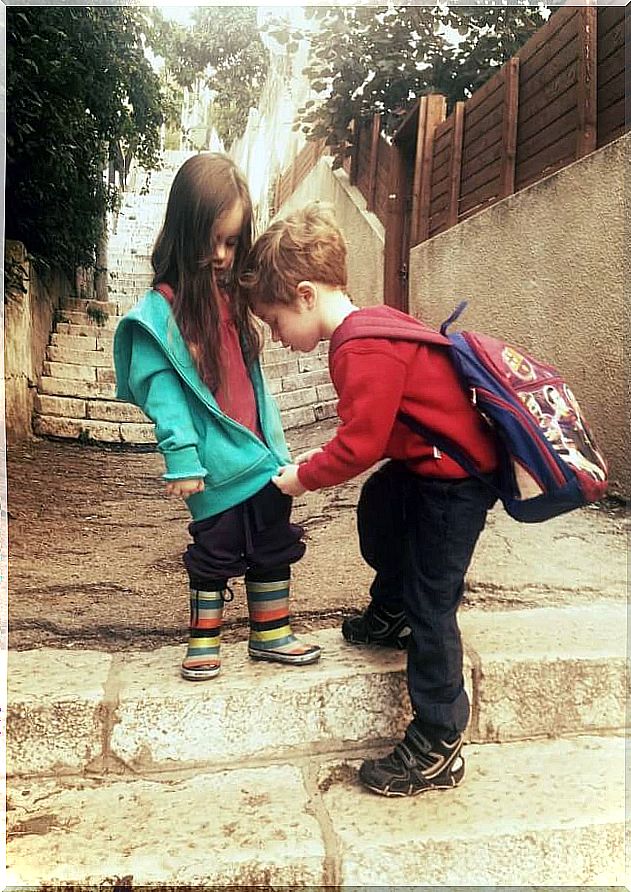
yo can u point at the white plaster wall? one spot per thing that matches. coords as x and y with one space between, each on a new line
363 231
28 319
546 269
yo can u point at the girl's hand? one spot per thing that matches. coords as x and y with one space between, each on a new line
287 481
186 487
305 456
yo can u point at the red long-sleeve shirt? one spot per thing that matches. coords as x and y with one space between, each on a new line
375 378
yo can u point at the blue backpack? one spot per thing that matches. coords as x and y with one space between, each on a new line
549 461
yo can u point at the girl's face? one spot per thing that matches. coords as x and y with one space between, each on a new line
225 239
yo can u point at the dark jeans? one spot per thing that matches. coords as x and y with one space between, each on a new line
419 535
253 537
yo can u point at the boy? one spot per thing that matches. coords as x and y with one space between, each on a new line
419 515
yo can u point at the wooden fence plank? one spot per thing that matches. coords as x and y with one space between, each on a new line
397 228
554 70
491 172
415 198
485 195
481 128
509 127
558 130
550 158
549 114
374 149
456 163
545 35
587 99
435 114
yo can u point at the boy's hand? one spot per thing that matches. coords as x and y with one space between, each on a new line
185 488
305 456
287 481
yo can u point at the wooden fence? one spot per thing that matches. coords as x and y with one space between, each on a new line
560 97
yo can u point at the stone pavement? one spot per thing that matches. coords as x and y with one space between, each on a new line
121 774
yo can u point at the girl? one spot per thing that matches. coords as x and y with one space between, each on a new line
187 355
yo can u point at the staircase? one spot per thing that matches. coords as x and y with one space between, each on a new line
76 391
122 774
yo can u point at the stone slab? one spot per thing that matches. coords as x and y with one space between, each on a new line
583 553
54 709
246 827
69 371
60 405
547 671
132 432
96 358
348 696
106 410
547 813
295 399
78 389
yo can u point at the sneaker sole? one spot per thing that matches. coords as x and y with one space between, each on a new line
288 659
392 794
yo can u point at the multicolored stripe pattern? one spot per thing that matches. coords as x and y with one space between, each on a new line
268 606
204 630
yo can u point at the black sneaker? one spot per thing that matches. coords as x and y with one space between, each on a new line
377 626
415 766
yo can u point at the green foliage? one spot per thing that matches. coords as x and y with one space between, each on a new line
223 48
380 59
97 315
78 83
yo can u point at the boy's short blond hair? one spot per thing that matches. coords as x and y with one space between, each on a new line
307 245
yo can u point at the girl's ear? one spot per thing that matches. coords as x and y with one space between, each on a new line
307 293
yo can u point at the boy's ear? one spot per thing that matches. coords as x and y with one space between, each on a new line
307 292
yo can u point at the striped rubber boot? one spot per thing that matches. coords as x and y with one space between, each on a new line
202 655
271 637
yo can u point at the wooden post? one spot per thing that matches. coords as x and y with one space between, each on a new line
396 247
372 170
436 104
418 164
509 127
355 151
586 130
456 163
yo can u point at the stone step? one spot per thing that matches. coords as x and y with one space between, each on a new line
542 672
65 355
98 410
92 430
76 317
66 387
547 813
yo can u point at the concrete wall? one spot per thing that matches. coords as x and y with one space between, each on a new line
545 268
362 230
28 319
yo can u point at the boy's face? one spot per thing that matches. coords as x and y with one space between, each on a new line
295 325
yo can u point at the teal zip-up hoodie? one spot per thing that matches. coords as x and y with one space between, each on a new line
154 370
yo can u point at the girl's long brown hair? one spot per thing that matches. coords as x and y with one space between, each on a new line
205 186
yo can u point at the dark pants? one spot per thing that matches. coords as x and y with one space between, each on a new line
253 538
419 535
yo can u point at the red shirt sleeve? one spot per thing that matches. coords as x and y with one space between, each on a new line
370 379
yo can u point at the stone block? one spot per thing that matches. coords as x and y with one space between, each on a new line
306 379
95 358
280 369
308 710
313 362
106 410
74 342
69 371
79 389
325 410
106 376
54 710
297 417
541 813
294 399
326 392
548 671
137 433
53 426
102 431
59 405
245 828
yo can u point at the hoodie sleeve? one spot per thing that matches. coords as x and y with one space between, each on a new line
369 378
155 387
